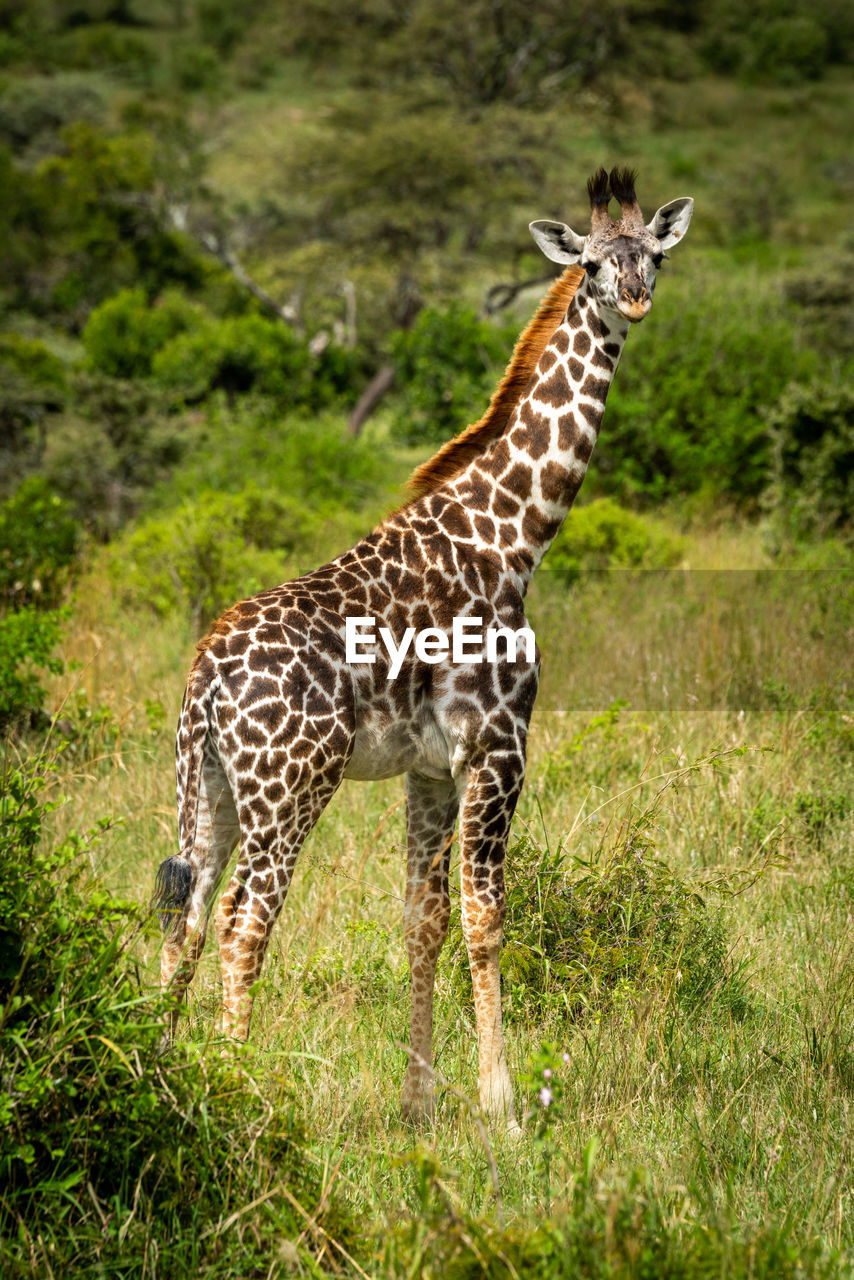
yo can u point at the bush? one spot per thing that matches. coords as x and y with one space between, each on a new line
447 366
39 545
686 411
208 553
32 386
812 488
603 535
34 111
196 66
124 334
93 213
236 354
790 49
111 1155
106 47
312 464
112 450
27 642
783 41
220 23
602 937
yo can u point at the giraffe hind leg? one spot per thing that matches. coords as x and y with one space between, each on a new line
185 886
253 898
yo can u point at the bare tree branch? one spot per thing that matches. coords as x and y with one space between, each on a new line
379 384
500 296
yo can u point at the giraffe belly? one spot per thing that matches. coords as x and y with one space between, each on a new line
385 751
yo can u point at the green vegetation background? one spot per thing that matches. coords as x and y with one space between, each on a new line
219 230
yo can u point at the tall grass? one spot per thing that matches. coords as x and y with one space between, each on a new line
679 949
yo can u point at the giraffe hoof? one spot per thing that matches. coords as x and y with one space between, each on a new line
418 1109
514 1131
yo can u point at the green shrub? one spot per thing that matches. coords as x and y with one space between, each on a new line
28 639
447 366
108 48
220 23
790 49
603 535
93 212
208 553
812 478
779 40
111 1155
236 354
601 937
686 411
313 463
195 67
39 545
35 110
32 387
124 334
110 451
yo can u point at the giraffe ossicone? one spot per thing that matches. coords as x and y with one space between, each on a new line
274 717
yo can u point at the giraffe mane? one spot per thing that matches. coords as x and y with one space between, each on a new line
455 455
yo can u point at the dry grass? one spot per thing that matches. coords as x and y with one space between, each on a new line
746 1115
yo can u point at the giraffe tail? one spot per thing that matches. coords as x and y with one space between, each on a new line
174 878
171 890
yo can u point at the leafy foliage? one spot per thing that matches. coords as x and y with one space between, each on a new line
95 206
116 440
603 535
108 1150
676 425
204 555
235 355
812 487
599 938
28 639
446 367
34 111
123 335
33 386
782 42
39 543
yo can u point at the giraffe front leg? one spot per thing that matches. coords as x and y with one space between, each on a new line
492 790
431 814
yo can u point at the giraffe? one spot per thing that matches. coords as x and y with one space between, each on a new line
274 717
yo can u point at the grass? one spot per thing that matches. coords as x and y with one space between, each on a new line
721 1120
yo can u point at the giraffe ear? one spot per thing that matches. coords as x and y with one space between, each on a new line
558 241
671 221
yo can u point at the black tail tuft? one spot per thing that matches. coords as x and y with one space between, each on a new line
171 889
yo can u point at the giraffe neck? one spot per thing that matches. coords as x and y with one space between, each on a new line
519 491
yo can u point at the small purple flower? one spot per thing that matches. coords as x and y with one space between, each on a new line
547 1073
545 1096
566 1058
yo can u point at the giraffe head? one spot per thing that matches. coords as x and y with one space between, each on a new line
622 258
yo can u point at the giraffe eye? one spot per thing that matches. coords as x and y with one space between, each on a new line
590 267
657 260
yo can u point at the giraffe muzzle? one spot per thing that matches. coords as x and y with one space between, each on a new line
635 303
